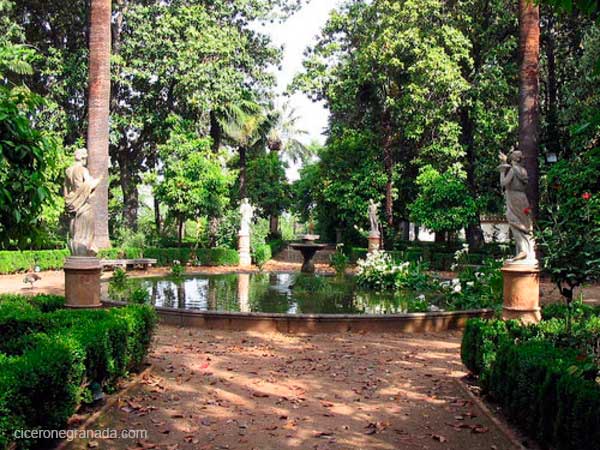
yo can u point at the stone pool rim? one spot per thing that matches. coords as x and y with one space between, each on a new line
316 323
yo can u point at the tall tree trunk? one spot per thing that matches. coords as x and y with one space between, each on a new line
157 218
181 230
388 163
215 132
243 179
98 113
274 226
529 45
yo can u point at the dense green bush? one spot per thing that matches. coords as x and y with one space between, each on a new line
40 389
24 261
543 375
56 357
261 254
549 392
219 256
166 256
121 253
45 303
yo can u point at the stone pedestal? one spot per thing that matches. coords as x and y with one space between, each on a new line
374 240
244 250
521 293
82 282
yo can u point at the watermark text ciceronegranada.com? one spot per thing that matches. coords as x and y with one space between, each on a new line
69 435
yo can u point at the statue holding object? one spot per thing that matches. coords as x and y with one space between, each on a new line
514 180
78 190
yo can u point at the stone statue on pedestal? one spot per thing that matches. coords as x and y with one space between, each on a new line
78 190
373 218
513 179
246 212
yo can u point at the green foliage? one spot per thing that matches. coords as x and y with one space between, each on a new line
54 362
444 202
218 256
548 393
166 256
339 261
267 184
569 226
193 182
177 269
261 255
310 283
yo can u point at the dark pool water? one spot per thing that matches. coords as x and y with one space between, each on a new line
290 293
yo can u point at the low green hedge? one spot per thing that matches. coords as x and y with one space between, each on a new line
549 392
543 375
24 261
219 256
59 355
44 302
121 253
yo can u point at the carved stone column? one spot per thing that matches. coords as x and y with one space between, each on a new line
244 250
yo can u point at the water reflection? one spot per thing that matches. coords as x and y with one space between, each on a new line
273 293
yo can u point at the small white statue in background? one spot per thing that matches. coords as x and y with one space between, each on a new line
373 218
514 180
246 212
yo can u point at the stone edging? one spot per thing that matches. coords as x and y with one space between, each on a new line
510 435
110 402
317 323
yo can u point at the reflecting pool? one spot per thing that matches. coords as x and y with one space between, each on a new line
290 293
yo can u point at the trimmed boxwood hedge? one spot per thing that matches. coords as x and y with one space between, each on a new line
219 256
58 355
24 261
549 392
543 375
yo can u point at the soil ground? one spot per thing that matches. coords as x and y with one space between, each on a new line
226 390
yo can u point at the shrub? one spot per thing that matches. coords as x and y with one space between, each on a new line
19 318
166 256
121 253
339 261
45 303
40 389
261 255
24 261
43 385
219 256
548 393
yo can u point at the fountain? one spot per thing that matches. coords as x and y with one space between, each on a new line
308 248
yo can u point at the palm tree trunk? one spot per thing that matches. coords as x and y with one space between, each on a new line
242 175
98 113
529 45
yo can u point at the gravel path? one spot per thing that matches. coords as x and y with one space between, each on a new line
216 390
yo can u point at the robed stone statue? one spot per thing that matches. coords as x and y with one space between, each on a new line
78 190
246 213
373 218
514 180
